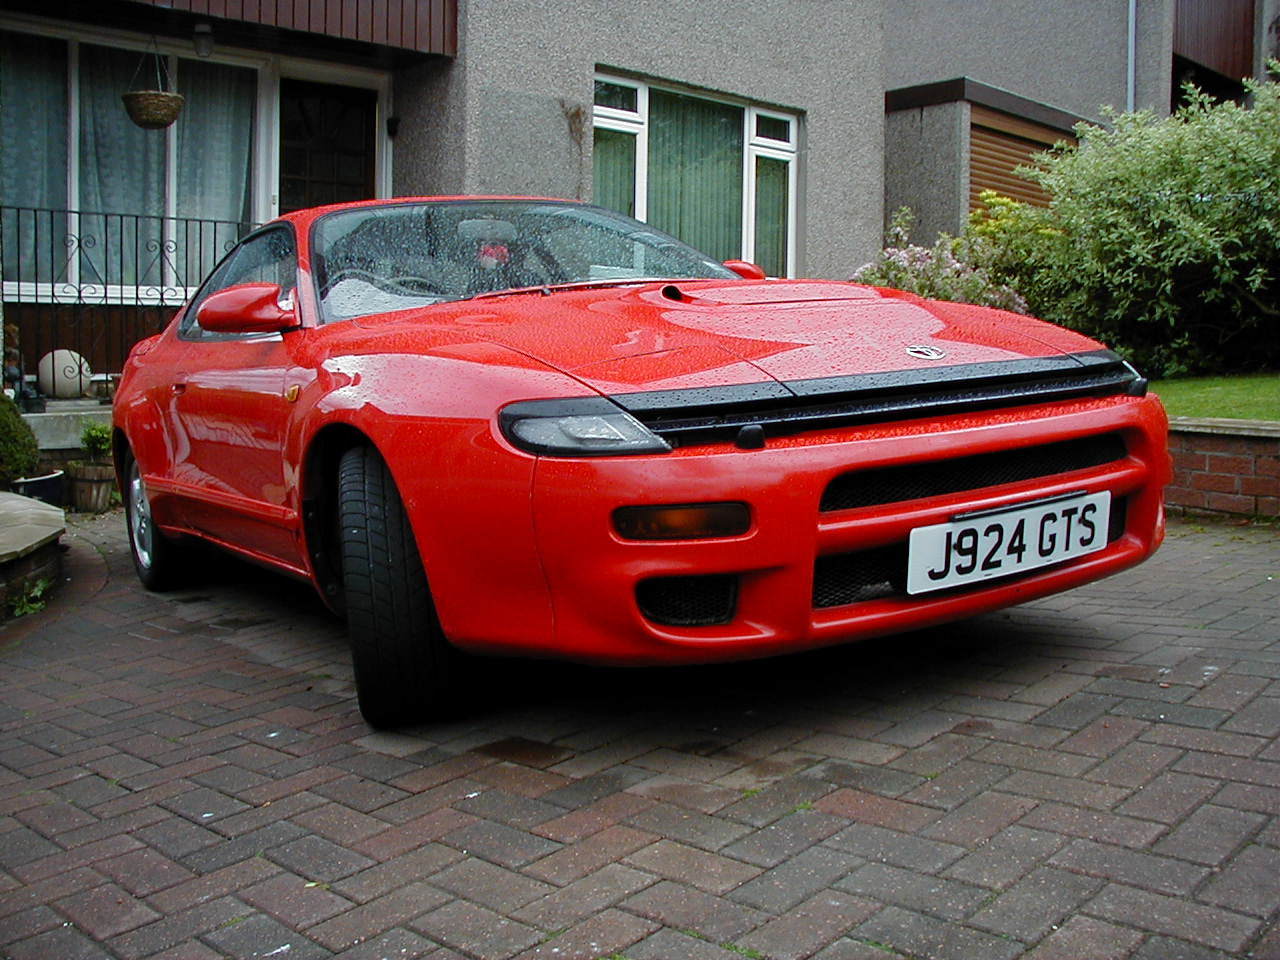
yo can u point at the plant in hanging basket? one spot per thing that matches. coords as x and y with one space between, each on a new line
153 109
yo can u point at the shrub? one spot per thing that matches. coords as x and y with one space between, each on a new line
19 453
935 272
1162 238
95 438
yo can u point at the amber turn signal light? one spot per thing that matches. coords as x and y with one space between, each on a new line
692 521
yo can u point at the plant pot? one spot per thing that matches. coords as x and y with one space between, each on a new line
91 486
49 487
152 109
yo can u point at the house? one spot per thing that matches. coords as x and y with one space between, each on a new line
974 88
750 129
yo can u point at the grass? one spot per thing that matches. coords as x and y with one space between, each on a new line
1252 397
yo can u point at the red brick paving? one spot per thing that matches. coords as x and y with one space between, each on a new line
1096 775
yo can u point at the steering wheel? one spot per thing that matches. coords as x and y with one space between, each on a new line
405 284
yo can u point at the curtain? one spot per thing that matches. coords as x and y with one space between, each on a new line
771 215
33 156
695 172
214 166
614 170
122 172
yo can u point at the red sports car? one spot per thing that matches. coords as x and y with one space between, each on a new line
536 427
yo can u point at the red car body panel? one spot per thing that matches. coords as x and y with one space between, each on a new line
520 550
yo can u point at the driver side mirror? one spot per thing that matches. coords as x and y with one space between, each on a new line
747 271
246 308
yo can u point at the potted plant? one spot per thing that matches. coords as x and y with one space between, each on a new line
93 480
20 456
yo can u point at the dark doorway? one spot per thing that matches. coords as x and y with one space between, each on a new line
326 144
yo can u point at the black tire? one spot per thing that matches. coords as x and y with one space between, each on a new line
158 560
403 664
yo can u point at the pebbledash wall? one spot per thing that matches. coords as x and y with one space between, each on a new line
514 111
1225 466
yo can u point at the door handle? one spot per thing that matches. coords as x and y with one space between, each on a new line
178 388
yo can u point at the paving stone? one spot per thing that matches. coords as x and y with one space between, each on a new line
382 878
808 926
869 808
1168 798
106 911
979 818
1036 904
668 944
608 933
592 818
294 900
603 888
590 854
1086 937
260 936
686 908
889 846
785 838
1210 926
396 908
949 899
500 843
398 943
319 859
796 878
1007 857
143 872
698 829
64 943
1210 834
490 885
1093 825
706 871
918 935
1249 884
477 931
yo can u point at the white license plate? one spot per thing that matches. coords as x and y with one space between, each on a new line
982 546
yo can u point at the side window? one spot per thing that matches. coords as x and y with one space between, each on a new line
268 257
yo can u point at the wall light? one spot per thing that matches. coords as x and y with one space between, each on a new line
202 37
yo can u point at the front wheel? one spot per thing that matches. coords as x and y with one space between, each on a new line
157 559
403 663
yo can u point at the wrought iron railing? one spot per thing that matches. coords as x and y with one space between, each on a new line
96 283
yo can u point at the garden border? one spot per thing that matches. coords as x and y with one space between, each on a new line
1222 465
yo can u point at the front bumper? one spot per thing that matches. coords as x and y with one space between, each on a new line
593 574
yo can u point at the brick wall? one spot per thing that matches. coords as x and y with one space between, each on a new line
1224 468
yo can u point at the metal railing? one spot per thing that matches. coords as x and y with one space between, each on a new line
96 283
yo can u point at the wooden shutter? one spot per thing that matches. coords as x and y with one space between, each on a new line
998 143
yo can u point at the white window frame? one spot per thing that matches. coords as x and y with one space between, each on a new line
265 163
636 123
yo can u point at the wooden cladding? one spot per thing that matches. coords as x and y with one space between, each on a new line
999 143
1217 34
425 26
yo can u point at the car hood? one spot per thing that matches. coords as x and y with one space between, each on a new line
699 334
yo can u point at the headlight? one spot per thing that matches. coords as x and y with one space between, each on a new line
583 427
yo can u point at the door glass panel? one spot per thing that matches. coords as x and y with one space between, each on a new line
614 170
772 189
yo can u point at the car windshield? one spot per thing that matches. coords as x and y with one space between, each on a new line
376 259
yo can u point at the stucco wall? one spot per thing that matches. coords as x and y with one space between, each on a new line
1070 55
924 167
507 116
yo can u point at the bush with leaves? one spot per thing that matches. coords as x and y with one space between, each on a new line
936 272
19 452
1162 238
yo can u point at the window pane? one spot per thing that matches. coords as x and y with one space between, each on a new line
695 172
771 215
617 96
122 169
773 128
214 175
614 166
33 155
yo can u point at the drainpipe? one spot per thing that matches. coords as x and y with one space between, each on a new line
1132 72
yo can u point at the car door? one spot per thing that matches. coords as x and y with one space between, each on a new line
232 408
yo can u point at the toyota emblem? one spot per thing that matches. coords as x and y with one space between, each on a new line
923 351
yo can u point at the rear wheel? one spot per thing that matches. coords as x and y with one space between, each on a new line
157 559
403 664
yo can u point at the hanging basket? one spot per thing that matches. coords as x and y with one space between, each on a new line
153 109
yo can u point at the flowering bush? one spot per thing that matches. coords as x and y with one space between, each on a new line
935 272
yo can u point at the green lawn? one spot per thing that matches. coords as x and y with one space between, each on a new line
1252 397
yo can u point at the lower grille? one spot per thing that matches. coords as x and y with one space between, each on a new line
699 601
867 488
881 573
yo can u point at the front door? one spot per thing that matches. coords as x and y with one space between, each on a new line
326 144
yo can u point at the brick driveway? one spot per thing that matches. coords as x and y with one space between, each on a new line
1092 776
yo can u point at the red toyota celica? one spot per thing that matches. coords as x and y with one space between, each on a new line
536 427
